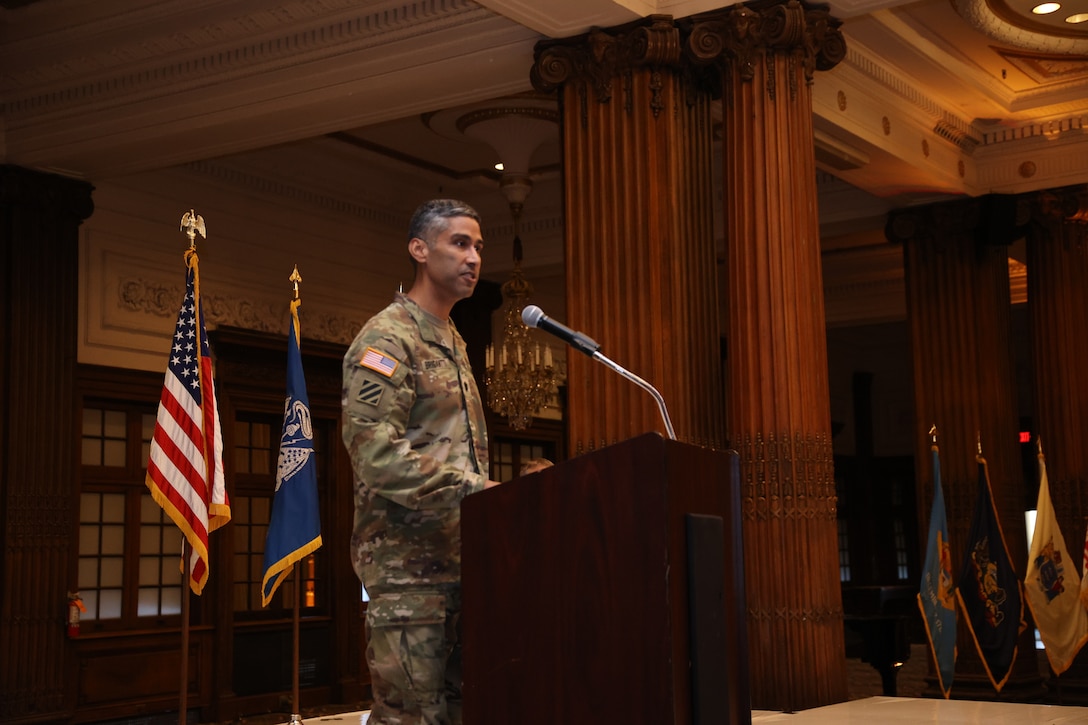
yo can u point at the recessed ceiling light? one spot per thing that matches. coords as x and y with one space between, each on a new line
1078 18
499 166
1046 8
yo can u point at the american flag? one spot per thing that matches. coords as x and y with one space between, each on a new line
185 468
1084 574
375 360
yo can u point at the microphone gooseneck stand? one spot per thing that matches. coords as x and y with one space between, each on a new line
642 384
533 316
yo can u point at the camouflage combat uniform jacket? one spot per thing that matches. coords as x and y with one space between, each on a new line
414 428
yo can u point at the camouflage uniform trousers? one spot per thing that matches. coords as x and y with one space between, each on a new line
414 655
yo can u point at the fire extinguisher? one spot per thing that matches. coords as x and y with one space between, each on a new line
75 607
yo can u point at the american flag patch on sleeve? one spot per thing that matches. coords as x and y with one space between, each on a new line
379 362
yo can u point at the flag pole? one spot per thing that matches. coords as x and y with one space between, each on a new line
183 700
296 715
191 224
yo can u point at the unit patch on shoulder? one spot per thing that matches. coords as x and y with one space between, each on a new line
370 392
379 362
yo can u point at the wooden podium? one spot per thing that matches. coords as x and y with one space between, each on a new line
608 589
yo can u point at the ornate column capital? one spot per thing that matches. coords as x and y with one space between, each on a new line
596 58
602 54
740 34
53 194
991 220
1066 204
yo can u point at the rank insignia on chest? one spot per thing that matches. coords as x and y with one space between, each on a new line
379 362
370 392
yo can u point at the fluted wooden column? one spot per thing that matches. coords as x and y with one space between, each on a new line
40 216
958 310
1058 313
778 411
638 191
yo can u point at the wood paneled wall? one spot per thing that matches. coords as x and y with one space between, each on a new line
40 216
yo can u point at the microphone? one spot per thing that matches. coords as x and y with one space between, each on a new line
533 316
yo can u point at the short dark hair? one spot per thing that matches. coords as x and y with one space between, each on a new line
433 216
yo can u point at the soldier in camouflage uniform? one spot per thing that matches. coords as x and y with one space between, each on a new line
414 428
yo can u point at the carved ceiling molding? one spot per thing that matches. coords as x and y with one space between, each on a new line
980 15
945 122
152 58
150 297
1045 68
1046 130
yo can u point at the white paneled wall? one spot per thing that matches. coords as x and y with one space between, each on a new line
351 255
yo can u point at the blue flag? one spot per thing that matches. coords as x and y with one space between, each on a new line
295 529
989 590
937 598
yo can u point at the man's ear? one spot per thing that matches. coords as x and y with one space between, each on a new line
418 249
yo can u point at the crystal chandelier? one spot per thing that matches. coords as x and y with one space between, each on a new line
520 373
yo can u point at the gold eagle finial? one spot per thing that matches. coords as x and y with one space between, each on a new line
191 224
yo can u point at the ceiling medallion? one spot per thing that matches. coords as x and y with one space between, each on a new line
998 19
1045 67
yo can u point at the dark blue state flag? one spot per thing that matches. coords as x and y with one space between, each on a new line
936 597
989 590
295 529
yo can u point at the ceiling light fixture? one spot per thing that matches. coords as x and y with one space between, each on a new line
520 373
1046 8
1078 18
